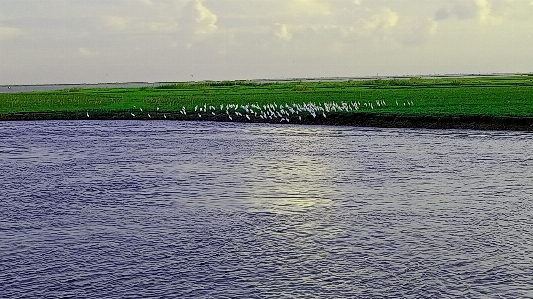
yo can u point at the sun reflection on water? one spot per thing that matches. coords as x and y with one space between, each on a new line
292 179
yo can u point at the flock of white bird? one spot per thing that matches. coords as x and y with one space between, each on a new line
274 112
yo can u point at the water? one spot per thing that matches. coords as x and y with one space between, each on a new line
210 210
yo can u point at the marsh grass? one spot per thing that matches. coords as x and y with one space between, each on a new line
491 96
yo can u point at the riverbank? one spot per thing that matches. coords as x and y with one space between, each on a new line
472 122
484 103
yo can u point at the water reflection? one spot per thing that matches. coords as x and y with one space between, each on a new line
288 184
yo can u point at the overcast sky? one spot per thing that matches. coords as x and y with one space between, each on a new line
91 41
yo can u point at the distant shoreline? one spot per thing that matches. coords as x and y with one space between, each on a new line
479 122
59 86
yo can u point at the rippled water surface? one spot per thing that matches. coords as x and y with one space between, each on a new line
210 210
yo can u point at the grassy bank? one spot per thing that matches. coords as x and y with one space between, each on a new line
504 102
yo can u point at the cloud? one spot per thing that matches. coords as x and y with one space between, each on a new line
9 32
84 52
116 22
420 33
467 10
206 20
266 38
384 20
460 10
197 24
484 12
282 32
442 14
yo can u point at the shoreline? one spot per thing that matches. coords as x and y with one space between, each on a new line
14 88
360 119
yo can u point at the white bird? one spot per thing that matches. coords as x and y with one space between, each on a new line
87 114
132 114
165 116
149 115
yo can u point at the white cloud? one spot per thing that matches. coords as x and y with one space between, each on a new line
383 20
484 12
84 52
197 24
282 32
9 32
206 20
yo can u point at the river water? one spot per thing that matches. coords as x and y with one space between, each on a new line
133 209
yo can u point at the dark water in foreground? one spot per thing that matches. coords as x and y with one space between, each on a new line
211 210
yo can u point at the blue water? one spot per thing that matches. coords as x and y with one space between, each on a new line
131 209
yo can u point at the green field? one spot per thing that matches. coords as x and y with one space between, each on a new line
510 96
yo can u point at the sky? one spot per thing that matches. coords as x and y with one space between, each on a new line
76 41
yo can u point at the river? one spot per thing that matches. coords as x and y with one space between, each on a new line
155 209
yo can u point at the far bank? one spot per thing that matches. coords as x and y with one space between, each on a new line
486 103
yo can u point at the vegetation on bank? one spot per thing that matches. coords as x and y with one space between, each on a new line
510 96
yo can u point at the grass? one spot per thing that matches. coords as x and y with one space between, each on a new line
510 96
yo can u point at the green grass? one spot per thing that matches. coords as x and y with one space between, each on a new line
490 96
